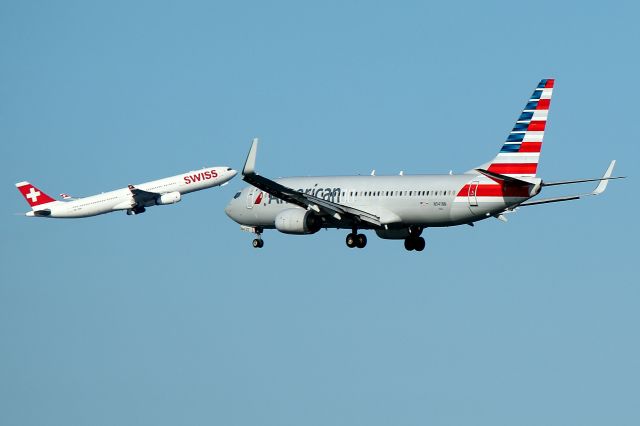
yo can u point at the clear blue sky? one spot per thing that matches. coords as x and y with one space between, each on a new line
172 318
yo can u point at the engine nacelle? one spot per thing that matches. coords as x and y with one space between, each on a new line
169 198
298 221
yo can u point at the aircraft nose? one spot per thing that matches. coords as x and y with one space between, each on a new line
231 211
231 172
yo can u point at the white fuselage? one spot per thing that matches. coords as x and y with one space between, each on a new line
399 201
122 199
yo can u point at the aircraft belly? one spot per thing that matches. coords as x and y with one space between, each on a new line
72 213
428 213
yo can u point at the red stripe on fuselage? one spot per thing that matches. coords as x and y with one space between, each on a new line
488 190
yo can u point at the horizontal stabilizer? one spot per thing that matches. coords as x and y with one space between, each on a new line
502 178
552 200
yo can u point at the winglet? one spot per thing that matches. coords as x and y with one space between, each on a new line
605 179
250 165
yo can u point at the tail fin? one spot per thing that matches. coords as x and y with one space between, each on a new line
520 153
33 195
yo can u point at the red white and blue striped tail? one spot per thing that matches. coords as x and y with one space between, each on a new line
520 153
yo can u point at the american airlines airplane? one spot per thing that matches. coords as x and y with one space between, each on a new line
401 207
133 199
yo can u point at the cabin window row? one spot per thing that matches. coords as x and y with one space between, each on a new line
402 193
97 202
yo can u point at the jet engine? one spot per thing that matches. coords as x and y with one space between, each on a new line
169 198
298 221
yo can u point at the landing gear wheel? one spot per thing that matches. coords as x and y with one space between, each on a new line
361 240
408 243
257 243
419 244
351 240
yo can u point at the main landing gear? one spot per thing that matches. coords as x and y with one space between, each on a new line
356 240
136 210
414 241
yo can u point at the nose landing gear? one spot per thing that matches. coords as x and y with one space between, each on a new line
258 242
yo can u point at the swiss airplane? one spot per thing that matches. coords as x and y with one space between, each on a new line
132 199
401 207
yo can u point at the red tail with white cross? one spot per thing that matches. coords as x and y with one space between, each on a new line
33 195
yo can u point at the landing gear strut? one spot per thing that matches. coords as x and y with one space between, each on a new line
356 240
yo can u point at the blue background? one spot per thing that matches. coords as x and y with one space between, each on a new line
172 318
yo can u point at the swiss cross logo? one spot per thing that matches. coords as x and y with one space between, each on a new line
33 195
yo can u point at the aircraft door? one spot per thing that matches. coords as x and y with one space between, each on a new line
250 197
473 191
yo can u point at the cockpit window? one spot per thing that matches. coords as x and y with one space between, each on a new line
237 195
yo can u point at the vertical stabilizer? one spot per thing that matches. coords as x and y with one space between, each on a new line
33 195
520 153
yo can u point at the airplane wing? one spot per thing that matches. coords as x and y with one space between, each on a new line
602 185
141 197
307 201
